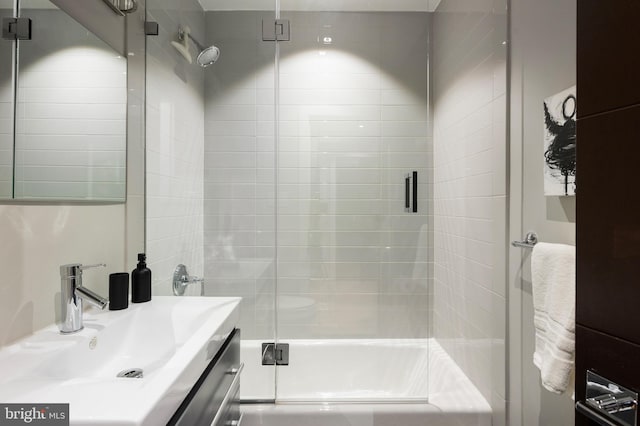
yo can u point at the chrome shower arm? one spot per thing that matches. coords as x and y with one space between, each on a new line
196 42
182 32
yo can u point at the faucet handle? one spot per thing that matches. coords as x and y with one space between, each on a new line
74 269
97 265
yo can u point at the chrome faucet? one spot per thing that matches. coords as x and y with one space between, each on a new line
72 295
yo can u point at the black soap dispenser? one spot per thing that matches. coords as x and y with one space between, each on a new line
141 281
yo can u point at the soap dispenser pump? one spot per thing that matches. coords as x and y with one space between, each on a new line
141 281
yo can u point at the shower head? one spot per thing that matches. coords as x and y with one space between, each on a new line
122 7
206 57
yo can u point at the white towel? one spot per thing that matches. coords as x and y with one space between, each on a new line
554 289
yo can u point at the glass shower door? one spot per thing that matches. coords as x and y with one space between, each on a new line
302 155
239 179
210 164
353 213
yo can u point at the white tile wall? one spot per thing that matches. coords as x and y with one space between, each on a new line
353 121
175 146
71 114
470 190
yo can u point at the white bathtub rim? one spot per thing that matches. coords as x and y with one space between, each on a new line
351 401
358 414
453 393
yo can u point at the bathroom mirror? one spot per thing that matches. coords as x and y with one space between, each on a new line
64 104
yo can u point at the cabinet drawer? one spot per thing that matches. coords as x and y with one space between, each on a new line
229 413
215 396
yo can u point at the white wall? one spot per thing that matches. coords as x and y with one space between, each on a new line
36 241
469 98
38 238
353 121
175 146
543 50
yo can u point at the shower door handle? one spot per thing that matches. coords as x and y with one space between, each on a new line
407 183
410 179
415 192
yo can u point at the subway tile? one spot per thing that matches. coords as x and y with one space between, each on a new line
73 96
72 174
88 127
238 97
329 97
411 160
326 128
230 144
405 128
401 113
397 97
42 76
230 128
64 111
237 160
345 144
330 80
231 113
71 158
324 61
329 112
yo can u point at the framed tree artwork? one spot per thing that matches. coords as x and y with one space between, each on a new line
560 143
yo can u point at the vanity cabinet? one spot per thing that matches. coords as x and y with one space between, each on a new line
215 398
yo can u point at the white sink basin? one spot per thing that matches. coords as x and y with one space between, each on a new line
172 339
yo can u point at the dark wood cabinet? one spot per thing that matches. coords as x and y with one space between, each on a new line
608 197
608 225
608 61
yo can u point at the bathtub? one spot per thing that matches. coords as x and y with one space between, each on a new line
409 382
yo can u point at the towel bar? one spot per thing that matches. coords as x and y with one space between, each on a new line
530 240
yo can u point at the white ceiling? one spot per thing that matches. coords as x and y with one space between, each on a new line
325 5
37 4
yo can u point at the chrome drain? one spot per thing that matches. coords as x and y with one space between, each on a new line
131 373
